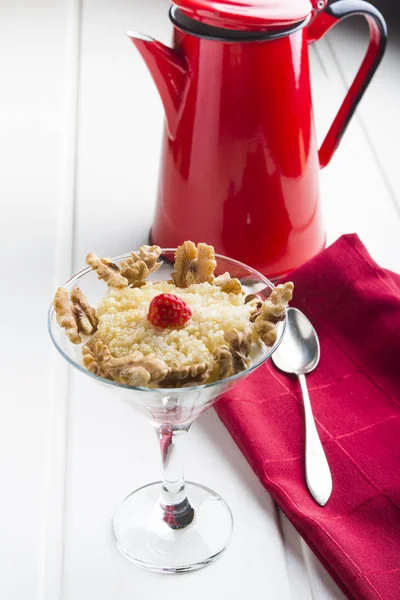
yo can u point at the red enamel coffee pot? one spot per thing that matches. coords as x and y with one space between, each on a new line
240 161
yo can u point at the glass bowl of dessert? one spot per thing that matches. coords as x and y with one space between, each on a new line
169 331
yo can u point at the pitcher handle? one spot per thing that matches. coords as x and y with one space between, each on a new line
319 26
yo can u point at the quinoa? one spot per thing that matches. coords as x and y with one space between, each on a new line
124 327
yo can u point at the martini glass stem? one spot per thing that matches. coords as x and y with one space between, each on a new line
176 509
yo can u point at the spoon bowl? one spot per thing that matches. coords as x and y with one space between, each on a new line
299 351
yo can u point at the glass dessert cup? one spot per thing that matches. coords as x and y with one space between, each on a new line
169 526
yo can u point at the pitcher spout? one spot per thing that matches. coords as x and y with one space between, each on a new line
169 71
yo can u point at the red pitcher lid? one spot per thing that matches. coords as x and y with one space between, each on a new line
248 14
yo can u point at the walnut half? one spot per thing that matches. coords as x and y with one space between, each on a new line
235 358
76 315
224 361
94 356
228 285
272 311
140 264
65 315
196 374
84 313
107 271
133 369
255 304
193 264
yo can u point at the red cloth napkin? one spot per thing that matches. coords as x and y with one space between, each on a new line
355 392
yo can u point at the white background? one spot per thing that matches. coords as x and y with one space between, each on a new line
80 128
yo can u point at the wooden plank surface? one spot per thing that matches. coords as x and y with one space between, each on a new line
378 112
355 191
32 117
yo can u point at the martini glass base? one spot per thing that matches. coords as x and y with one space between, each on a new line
146 540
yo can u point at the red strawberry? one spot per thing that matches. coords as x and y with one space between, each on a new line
168 310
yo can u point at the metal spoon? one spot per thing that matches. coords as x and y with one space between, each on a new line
299 354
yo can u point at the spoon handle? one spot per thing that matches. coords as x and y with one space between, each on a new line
318 475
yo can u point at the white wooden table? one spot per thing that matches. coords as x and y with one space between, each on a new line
80 125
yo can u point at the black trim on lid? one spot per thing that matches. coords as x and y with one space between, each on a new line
219 34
